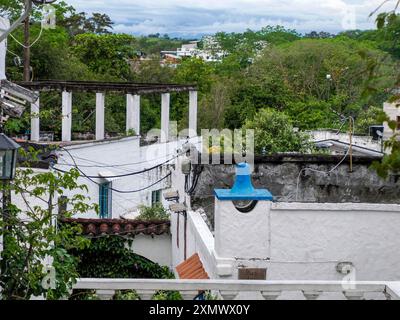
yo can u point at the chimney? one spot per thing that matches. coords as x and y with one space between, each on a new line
241 220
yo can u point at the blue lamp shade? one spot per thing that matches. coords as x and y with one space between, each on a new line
243 188
8 157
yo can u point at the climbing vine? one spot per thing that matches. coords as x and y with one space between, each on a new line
111 257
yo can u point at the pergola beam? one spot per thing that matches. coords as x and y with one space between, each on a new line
116 87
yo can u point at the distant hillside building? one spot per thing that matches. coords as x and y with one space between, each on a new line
211 52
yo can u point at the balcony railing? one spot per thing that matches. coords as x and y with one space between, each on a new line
247 289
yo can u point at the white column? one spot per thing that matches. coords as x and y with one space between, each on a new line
66 116
100 98
133 113
192 113
4 25
35 121
165 102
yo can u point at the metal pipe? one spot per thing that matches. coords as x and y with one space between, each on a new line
15 25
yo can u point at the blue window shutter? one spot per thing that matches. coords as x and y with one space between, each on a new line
105 200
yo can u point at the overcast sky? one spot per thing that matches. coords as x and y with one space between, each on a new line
192 18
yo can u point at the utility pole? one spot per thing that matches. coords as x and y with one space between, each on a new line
27 49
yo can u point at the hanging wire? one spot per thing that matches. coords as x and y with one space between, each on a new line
326 172
90 178
33 43
120 175
104 165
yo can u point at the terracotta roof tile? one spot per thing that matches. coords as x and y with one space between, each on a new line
94 227
192 268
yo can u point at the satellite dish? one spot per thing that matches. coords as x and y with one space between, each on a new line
379 133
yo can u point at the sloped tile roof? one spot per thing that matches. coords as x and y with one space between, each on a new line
95 227
192 268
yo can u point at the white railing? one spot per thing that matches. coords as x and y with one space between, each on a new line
247 289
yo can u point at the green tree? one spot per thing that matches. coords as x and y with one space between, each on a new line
274 133
369 117
106 54
31 234
388 22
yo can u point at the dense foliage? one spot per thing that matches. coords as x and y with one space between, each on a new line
316 79
156 212
111 257
273 132
31 235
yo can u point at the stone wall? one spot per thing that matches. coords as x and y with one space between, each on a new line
281 174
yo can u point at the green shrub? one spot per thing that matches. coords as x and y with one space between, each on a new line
157 212
126 295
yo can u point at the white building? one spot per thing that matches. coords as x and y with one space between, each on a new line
4 25
338 143
266 250
208 53
257 246
392 109
119 172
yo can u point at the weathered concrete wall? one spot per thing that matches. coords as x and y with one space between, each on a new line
280 174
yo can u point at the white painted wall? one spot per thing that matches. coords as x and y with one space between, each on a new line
298 241
361 141
157 249
119 157
393 112
4 24
100 104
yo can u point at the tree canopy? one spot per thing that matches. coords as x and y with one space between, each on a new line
315 78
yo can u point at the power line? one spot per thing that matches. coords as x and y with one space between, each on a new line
113 189
116 190
120 175
325 172
104 165
33 43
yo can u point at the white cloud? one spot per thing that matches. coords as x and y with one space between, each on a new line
194 17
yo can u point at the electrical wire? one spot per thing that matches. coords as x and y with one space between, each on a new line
33 43
122 175
104 165
113 189
326 172
116 190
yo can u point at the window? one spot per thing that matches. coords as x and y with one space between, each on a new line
105 200
155 197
